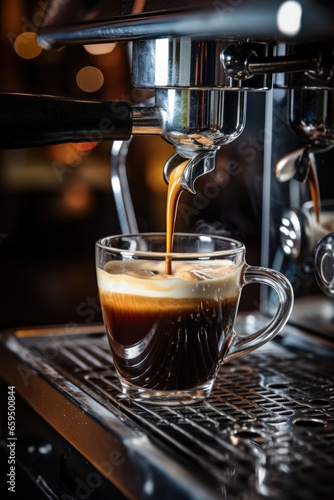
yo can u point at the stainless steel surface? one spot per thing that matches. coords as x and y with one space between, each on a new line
320 77
315 315
267 432
82 22
192 63
146 120
312 115
242 61
196 120
120 187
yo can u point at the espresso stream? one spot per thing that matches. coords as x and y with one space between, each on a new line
314 190
173 195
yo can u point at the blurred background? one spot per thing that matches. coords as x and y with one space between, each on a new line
56 201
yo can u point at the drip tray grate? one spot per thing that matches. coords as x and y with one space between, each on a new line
267 431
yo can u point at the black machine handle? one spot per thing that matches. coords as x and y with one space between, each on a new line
41 120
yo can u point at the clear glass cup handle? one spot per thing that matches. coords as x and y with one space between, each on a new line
283 288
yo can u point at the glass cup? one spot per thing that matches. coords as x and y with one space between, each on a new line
170 333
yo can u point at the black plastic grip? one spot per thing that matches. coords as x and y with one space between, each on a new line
40 120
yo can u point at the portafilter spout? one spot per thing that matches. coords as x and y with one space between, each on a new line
199 164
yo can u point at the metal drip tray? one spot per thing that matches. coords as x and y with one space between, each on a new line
267 431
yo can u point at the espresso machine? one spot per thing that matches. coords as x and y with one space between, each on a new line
267 431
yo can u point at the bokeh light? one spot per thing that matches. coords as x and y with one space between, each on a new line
89 79
98 49
26 45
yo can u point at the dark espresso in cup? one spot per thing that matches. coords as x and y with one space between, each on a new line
169 332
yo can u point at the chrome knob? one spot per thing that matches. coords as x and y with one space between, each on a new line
294 233
300 232
324 264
